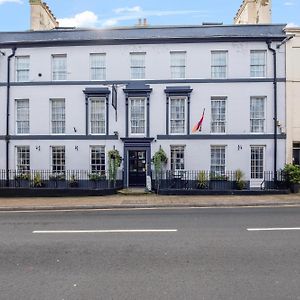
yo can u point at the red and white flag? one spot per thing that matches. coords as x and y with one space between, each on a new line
198 126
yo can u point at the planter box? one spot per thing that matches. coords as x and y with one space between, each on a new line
220 185
22 183
57 184
295 187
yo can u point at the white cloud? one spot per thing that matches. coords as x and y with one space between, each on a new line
292 25
10 1
90 19
84 19
289 3
127 9
136 12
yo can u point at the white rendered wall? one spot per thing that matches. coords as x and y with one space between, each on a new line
198 66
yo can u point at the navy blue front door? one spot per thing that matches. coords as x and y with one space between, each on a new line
137 168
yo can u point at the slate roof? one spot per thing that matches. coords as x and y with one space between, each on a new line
150 34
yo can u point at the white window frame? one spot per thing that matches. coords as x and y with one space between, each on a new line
176 65
214 99
51 116
263 147
172 98
145 114
100 171
18 69
62 147
18 164
177 148
214 172
265 65
103 100
132 67
219 66
102 68
53 71
16 117
264 98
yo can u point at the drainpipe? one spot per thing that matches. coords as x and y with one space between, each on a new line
275 107
7 137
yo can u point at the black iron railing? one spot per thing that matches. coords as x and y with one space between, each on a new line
70 179
206 180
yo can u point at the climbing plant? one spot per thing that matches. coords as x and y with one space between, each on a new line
159 159
114 162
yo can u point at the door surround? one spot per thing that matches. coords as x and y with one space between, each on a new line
136 144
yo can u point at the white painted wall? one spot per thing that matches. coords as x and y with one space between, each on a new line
157 60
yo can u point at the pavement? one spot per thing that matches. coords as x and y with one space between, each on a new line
144 201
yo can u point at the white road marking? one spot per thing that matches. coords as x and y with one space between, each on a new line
274 229
106 231
37 211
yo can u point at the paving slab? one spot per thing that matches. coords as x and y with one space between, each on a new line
143 201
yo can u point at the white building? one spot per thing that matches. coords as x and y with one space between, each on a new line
61 117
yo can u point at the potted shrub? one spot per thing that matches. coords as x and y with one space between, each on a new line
292 173
73 182
202 180
240 183
37 180
58 179
95 178
22 179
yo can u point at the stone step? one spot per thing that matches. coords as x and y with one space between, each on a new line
134 191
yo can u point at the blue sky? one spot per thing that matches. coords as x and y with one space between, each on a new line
14 14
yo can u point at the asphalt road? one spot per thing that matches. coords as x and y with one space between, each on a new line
211 256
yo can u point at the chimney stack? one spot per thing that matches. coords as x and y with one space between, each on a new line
254 12
41 17
142 22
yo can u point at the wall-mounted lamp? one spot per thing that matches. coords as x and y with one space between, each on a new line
116 133
3 53
76 148
74 128
240 147
38 148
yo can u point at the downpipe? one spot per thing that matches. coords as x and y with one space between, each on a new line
275 108
7 136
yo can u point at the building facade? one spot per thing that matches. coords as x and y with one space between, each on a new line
293 95
73 95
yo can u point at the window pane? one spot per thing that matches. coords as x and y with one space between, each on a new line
137 116
98 159
97 115
217 166
257 114
218 115
58 115
177 115
257 162
58 159
137 65
23 159
177 158
178 64
59 67
258 63
22 116
98 66
218 64
22 68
